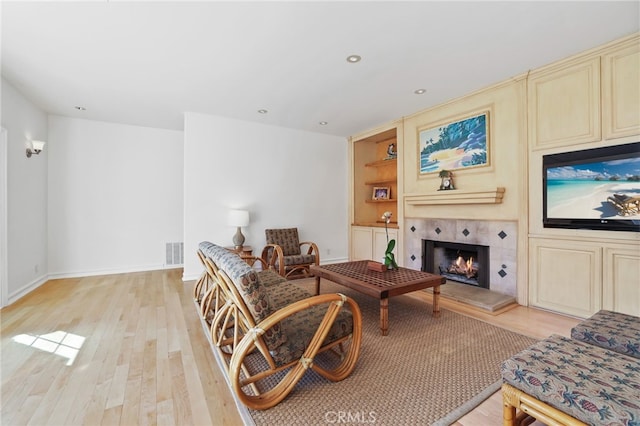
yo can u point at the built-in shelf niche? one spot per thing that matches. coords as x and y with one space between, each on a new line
373 168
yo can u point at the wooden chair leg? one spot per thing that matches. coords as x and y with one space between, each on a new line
508 415
508 406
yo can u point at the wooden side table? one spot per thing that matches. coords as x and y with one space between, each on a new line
246 254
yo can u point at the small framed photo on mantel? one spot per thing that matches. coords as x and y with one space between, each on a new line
381 193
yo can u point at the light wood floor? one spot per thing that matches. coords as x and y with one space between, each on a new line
130 349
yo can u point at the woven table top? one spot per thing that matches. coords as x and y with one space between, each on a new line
358 276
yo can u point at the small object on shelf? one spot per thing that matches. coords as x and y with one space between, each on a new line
381 192
391 152
447 180
377 266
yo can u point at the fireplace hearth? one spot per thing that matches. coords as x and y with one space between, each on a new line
460 262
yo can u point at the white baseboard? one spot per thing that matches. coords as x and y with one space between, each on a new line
190 277
27 288
111 271
334 260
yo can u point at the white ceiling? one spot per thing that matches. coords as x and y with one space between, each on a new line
146 63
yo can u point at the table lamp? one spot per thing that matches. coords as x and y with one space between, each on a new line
238 218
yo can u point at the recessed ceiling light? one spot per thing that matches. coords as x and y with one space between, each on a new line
262 111
323 123
353 59
80 108
419 91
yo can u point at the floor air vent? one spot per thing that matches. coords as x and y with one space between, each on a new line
175 254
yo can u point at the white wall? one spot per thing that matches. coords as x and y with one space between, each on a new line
115 196
284 177
26 238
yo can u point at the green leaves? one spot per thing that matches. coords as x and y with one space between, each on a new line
390 246
389 258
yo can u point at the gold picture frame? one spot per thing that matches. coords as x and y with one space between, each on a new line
381 193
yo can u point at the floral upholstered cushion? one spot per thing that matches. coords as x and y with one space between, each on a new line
270 278
592 384
303 325
286 238
611 330
286 293
257 300
299 259
208 248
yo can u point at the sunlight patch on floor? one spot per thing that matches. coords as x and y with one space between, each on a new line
61 343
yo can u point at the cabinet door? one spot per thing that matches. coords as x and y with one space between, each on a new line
361 248
380 243
621 286
621 92
564 105
566 276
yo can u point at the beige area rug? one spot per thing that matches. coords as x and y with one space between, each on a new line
426 371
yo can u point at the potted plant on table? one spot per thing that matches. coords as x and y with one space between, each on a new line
389 258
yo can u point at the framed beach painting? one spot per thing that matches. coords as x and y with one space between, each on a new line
455 145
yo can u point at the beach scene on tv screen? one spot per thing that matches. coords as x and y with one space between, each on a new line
598 190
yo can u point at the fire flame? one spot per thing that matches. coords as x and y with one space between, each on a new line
465 266
461 266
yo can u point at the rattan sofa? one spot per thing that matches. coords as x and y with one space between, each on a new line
270 331
591 378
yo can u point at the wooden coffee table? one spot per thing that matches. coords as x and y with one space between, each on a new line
381 285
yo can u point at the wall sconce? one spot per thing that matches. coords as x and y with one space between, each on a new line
238 218
37 147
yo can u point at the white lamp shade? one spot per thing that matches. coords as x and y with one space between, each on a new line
37 145
238 218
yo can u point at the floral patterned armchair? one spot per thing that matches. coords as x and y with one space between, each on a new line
287 255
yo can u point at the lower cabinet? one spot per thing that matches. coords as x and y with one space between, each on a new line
621 286
370 243
581 277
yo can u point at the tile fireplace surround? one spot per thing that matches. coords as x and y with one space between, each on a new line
500 236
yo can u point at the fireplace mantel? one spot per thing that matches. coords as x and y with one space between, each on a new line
456 196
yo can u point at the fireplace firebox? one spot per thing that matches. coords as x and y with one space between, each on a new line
464 263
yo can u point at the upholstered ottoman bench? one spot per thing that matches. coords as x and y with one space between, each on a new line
563 381
611 330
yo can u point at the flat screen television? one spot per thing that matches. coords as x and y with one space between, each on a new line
595 188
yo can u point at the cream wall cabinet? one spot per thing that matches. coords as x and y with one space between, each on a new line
564 105
567 276
621 91
581 277
621 286
370 243
361 243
